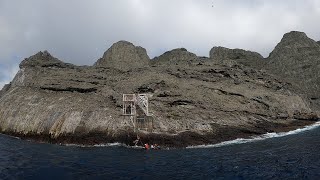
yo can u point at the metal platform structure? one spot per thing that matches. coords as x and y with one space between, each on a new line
136 106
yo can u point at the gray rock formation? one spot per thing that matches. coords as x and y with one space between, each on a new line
125 56
42 59
247 58
292 44
296 59
175 56
201 101
226 53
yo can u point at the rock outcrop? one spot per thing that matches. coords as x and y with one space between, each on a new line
193 101
226 53
247 58
175 56
42 59
294 44
124 56
296 59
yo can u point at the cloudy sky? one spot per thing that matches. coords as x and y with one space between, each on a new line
79 31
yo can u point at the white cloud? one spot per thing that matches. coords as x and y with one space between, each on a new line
7 74
79 31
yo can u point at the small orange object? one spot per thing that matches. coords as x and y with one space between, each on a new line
147 146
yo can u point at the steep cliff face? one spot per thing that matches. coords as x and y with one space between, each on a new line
193 101
296 59
124 55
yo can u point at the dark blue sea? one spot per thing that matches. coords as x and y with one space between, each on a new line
294 155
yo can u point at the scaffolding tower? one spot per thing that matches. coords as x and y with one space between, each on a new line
136 106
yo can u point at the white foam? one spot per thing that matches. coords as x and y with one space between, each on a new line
95 145
259 138
10 136
108 145
103 145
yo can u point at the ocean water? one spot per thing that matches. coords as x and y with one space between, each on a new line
294 155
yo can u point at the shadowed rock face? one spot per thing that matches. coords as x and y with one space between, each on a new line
200 99
124 55
296 59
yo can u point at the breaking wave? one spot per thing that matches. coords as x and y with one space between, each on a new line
104 145
258 138
96 145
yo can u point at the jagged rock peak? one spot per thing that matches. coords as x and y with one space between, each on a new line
43 59
179 54
318 42
124 55
295 35
221 53
297 39
294 42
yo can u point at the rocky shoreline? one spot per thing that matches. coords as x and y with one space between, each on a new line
193 100
181 140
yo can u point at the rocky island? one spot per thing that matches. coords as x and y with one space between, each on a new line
193 100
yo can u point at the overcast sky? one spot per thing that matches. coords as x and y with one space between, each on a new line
79 31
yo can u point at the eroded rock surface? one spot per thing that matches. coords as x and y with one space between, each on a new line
193 100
